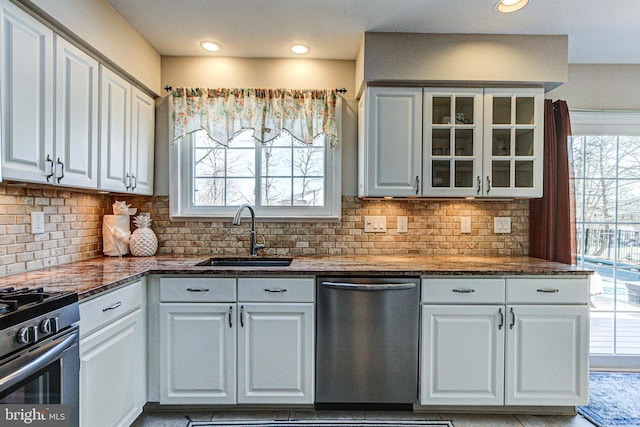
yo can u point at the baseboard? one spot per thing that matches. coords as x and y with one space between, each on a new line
529 410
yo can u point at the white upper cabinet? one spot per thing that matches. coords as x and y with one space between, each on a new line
26 76
451 142
390 142
76 113
126 136
513 142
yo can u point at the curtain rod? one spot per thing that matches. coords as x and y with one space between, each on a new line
341 90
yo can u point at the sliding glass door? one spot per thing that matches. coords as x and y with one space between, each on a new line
606 149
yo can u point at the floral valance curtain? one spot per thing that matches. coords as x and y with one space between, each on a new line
223 113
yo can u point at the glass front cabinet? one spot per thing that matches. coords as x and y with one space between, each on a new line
513 142
482 142
452 138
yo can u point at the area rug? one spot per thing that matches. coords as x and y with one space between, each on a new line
321 423
614 399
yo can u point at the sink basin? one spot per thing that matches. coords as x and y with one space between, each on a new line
245 262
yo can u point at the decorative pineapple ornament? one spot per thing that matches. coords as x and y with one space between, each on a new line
143 241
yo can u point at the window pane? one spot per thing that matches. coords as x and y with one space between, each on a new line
629 157
276 191
240 190
629 201
627 333
599 201
244 139
208 192
276 161
209 161
578 156
600 157
241 162
308 161
441 110
308 192
501 110
501 142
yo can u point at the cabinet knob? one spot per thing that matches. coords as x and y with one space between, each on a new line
479 185
417 185
488 184
127 181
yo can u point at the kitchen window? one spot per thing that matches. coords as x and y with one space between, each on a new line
606 149
283 178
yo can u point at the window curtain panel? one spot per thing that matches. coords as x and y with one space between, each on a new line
552 227
223 113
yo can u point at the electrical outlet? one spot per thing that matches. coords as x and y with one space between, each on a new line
403 224
465 224
37 222
375 224
502 224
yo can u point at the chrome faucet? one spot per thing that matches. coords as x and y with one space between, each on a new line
236 221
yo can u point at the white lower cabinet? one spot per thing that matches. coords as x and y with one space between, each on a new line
530 350
463 355
198 353
256 348
275 349
547 355
113 357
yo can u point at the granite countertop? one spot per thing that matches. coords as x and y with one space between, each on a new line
96 275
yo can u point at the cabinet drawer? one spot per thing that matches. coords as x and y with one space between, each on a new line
106 308
548 291
276 289
197 289
463 290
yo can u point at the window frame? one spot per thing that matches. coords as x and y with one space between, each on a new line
181 187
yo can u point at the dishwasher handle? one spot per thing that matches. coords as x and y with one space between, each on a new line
369 286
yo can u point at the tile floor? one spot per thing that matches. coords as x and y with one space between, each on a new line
177 419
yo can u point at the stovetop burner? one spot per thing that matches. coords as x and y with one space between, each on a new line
12 299
18 305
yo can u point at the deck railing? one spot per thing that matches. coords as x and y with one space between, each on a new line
602 242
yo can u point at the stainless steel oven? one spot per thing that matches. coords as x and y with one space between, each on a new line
39 359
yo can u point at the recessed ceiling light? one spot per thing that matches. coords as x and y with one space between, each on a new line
211 46
299 49
509 6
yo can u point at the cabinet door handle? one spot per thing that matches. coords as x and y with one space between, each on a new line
242 316
513 318
479 185
134 181
501 324
417 185
62 168
231 316
113 307
463 290
198 289
52 168
488 184
127 181
275 290
548 290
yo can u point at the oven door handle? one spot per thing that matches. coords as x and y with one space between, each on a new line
27 364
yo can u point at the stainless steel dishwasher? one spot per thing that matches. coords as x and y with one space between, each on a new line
367 340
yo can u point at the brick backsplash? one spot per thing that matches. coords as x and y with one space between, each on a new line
73 229
434 229
73 226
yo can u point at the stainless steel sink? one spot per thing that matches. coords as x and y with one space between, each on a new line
245 262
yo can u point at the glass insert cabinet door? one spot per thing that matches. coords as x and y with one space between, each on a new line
513 142
452 133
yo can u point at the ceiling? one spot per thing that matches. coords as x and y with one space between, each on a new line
599 31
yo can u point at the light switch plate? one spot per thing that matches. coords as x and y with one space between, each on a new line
37 222
375 224
403 224
465 224
502 224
